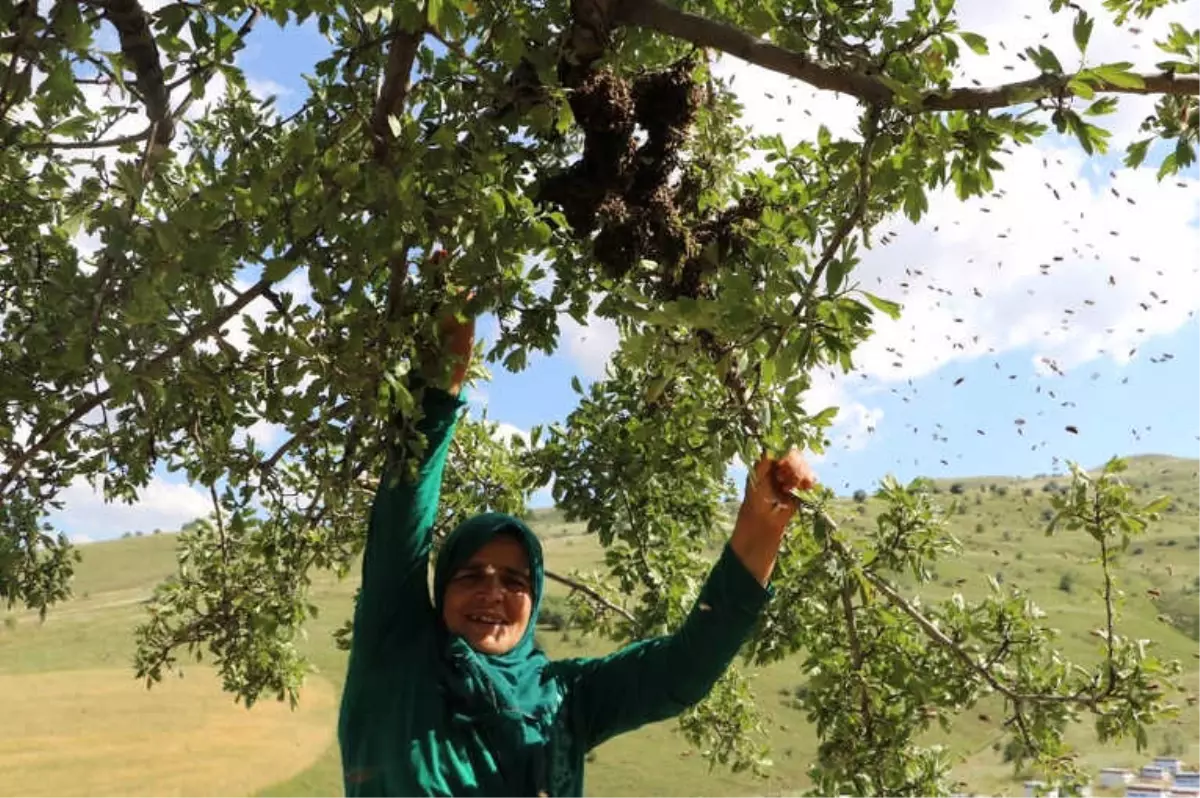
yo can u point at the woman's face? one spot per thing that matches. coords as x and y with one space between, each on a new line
489 599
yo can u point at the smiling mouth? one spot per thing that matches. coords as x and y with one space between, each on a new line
486 620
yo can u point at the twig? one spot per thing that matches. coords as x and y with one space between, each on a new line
658 16
1108 599
590 593
939 637
856 662
806 307
119 141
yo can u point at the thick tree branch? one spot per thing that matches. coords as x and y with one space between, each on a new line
139 48
657 15
397 80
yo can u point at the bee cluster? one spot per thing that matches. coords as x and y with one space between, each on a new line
622 190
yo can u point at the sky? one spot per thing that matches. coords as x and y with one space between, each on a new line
1036 328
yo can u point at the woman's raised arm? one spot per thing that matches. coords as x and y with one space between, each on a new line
652 680
395 590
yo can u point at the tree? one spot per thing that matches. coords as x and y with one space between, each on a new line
860 496
453 126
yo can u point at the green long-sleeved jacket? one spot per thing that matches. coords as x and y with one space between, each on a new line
396 732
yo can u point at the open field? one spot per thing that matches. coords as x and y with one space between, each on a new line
76 721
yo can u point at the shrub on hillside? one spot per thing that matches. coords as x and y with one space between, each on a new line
1066 582
555 614
957 488
860 495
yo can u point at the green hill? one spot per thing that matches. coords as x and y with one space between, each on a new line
999 521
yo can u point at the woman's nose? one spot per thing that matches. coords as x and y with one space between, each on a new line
491 587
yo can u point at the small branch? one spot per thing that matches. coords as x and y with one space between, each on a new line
656 15
119 141
856 662
590 593
1108 588
806 306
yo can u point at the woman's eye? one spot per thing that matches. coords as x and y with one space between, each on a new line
516 585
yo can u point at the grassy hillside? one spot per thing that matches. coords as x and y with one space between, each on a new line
84 649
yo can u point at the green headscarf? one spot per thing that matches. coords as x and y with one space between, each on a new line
507 694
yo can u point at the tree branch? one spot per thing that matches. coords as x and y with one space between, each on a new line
301 435
656 15
174 350
590 593
396 83
140 49
936 635
119 141
848 224
23 27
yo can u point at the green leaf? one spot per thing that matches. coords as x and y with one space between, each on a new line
1081 88
885 306
1168 167
433 10
835 274
1044 59
1119 75
576 386
1105 105
278 269
1082 30
1137 153
977 43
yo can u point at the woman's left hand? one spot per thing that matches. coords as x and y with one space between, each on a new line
767 508
769 502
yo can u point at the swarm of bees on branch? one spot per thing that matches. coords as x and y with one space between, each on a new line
622 190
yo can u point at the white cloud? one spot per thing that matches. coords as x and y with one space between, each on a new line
1086 276
263 433
81 540
162 505
592 345
970 274
505 432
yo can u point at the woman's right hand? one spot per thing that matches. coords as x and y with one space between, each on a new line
456 340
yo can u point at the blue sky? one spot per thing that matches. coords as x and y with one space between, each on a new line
981 262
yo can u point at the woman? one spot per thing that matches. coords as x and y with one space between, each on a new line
451 697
